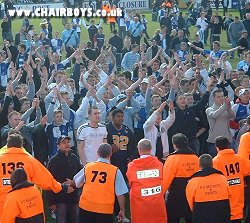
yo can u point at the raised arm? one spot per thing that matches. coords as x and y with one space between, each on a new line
196 47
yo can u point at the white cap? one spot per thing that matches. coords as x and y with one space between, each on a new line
145 80
51 86
163 66
120 96
242 91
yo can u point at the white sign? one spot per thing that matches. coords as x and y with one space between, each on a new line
32 7
126 4
147 174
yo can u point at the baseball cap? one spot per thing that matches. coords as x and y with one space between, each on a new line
44 21
163 66
120 96
62 138
242 91
145 80
51 86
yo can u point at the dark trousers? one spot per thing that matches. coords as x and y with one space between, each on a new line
236 221
247 201
224 10
66 213
118 58
69 52
214 38
211 150
194 144
135 40
92 217
177 220
112 26
122 32
146 32
139 134
206 34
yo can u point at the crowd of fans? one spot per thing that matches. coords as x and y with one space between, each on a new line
127 87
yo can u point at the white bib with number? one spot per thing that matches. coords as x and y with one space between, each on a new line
148 173
150 191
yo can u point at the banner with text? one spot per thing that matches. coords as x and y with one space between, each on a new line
127 4
32 7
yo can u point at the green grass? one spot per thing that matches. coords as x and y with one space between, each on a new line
152 26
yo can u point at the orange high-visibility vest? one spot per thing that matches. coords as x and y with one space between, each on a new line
234 169
147 202
99 189
25 204
18 158
208 196
111 18
105 7
244 146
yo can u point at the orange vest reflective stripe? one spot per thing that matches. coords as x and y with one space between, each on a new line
147 202
234 168
99 189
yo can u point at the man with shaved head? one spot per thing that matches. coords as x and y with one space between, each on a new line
102 182
208 194
146 196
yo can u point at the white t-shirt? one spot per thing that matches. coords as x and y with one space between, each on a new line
78 29
202 23
92 137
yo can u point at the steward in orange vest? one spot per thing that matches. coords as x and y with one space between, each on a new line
244 152
24 202
105 7
208 194
147 203
15 157
101 183
177 170
234 169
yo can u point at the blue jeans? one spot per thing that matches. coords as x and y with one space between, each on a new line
211 149
6 35
66 213
234 43
194 144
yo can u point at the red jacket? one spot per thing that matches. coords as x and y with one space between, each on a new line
146 196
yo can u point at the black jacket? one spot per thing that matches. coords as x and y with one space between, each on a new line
63 167
185 121
176 201
176 42
117 42
246 23
166 21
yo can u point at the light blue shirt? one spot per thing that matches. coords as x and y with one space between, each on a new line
135 29
129 60
74 39
241 65
120 185
28 44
